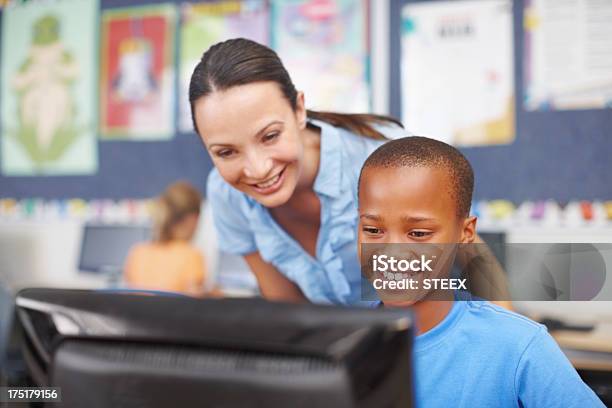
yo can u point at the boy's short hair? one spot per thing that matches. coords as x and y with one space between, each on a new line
418 151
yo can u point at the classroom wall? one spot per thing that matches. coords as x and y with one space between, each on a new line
559 155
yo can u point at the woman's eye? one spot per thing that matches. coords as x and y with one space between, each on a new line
225 153
269 137
371 230
419 234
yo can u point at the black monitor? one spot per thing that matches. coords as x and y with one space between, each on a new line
104 248
6 310
124 350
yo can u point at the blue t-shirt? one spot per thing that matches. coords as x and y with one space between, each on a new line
482 355
244 226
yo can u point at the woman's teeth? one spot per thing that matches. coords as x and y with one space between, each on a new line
270 182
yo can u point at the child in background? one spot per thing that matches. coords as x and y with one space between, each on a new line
466 353
170 262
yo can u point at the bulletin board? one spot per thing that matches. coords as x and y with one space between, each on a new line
561 155
126 169
129 168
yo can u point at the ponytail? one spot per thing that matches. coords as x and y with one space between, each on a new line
359 123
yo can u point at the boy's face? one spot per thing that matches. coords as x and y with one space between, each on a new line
410 206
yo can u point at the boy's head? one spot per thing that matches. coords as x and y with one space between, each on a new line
416 190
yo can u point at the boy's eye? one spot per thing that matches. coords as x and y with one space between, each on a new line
371 230
419 234
269 137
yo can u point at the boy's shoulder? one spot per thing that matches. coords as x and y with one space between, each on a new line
495 314
542 374
505 329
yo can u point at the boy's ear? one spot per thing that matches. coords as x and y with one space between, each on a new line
468 233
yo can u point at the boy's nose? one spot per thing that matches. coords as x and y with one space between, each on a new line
396 238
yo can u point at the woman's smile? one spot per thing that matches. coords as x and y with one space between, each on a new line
271 184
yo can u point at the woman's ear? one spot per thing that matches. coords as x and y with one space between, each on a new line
468 233
300 110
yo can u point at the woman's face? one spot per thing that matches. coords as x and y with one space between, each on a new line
253 137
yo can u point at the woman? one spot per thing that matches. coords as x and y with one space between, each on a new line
170 262
283 191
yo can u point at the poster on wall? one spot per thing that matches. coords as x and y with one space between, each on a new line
48 88
324 46
205 24
137 73
457 71
567 54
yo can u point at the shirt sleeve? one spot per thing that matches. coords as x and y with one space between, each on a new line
546 378
234 234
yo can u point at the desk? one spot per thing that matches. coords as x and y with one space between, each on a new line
588 350
589 360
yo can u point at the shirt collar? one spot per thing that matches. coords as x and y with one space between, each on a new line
444 329
328 180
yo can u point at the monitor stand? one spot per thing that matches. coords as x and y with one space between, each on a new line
114 276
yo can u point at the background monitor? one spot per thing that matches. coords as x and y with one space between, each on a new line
124 350
104 248
497 243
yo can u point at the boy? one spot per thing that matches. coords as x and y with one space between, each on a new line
466 353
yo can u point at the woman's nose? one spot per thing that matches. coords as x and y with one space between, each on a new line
257 168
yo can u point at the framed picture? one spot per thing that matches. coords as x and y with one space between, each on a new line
48 88
137 78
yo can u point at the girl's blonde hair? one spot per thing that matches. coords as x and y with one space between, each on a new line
177 201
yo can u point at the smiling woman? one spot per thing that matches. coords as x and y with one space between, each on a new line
283 191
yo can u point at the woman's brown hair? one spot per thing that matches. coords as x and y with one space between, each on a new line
172 206
240 61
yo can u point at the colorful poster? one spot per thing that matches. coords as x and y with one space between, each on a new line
568 54
457 71
324 46
137 78
205 24
48 88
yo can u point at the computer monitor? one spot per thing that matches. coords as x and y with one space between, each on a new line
6 310
104 248
124 350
